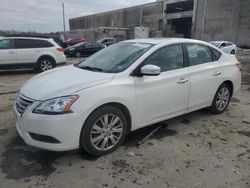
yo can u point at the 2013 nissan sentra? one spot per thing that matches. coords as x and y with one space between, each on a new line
127 86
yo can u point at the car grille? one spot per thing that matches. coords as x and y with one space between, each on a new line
22 103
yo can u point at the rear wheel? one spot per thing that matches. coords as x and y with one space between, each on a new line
233 52
221 99
46 64
104 131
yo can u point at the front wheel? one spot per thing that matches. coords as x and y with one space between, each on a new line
104 131
221 99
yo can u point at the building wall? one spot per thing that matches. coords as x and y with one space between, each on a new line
243 26
212 20
147 15
223 20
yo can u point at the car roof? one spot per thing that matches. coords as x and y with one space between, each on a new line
33 38
105 38
166 40
221 41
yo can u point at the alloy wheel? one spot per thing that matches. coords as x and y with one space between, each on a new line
106 132
222 98
46 65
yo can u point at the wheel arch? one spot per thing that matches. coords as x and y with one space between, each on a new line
45 56
230 84
121 107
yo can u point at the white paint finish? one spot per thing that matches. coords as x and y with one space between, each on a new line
31 55
226 49
203 84
149 99
161 96
46 85
8 56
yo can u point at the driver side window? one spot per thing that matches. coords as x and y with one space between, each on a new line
167 58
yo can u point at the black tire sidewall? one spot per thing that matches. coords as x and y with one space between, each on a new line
213 108
85 141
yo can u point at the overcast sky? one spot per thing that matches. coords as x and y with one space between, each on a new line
46 15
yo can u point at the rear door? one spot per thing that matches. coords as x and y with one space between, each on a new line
204 76
27 51
7 52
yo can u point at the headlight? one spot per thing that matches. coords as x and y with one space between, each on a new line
58 105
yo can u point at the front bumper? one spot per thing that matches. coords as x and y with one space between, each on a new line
65 128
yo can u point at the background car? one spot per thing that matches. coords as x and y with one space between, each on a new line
225 46
29 52
127 86
83 49
107 41
72 41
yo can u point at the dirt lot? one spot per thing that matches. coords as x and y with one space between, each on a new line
194 150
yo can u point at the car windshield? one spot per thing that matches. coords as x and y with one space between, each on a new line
116 58
217 44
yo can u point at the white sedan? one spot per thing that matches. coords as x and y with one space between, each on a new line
225 46
127 86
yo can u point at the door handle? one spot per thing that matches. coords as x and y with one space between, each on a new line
216 73
182 81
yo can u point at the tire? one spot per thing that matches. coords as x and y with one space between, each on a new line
220 104
233 52
45 64
97 137
78 54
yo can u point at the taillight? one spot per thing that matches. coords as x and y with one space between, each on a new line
238 64
59 49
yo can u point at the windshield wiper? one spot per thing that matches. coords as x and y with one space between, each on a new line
91 68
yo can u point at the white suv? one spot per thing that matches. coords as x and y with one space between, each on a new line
26 52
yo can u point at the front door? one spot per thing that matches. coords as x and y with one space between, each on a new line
165 95
7 52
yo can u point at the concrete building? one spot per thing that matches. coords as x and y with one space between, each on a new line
200 19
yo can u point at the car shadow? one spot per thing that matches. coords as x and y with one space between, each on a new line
22 161
17 72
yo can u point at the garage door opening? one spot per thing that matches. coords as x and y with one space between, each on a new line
179 18
181 27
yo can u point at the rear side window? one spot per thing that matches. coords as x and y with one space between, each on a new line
216 54
198 54
43 44
6 44
30 43
167 58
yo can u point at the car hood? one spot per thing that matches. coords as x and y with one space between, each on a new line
62 81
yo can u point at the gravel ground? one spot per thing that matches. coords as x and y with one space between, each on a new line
195 150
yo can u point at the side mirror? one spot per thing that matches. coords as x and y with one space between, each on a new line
150 70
